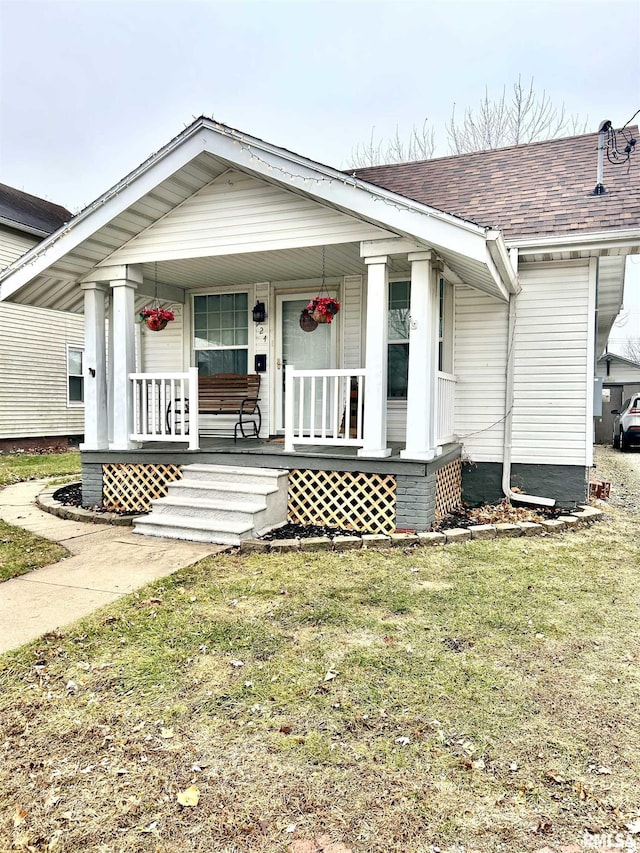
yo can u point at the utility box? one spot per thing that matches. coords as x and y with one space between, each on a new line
597 396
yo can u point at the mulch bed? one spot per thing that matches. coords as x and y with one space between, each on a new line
71 495
464 517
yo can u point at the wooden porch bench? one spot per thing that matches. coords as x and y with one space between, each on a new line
229 394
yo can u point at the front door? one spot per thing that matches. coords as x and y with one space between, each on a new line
316 350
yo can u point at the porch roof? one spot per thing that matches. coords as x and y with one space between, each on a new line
48 275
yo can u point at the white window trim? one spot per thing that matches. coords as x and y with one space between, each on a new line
223 291
74 404
391 341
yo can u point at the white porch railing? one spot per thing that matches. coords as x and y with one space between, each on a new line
324 407
165 407
446 405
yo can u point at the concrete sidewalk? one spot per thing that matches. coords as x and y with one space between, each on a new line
106 563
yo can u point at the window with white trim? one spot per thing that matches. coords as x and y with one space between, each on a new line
221 333
75 377
398 339
398 331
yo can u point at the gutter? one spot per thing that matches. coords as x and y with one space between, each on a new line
500 256
533 500
20 226
622 238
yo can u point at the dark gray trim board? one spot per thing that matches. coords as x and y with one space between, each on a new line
415 480
567 484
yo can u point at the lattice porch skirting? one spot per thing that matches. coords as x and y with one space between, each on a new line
349 500
132 487
448 488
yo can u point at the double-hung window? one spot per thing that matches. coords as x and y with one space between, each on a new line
398 330
221 333
398 339
75 379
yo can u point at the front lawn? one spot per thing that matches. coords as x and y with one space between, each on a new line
484 696
15 467
21 551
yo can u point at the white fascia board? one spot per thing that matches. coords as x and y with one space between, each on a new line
351 195
98 214
597 240
393 212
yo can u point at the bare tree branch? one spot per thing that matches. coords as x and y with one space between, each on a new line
526 117
420 145
523 117
632 349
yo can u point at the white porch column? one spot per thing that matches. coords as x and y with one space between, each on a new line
95 367
123 355
422 389
375 393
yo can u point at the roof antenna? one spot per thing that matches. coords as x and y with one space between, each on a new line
605 126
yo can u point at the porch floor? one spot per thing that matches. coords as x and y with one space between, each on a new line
224 451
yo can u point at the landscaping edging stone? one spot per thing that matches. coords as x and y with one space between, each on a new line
47 502
583 516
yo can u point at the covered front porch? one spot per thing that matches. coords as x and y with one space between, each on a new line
380 375
217 223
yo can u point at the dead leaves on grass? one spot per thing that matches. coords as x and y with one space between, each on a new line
189 797
321 844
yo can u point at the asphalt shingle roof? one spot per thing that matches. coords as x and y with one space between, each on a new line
525 191
31 211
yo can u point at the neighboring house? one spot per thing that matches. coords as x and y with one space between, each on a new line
620 378
476 292
40 351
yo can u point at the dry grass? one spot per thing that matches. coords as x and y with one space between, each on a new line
16 467
483 695
20 551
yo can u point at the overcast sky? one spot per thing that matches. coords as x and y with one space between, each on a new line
89 89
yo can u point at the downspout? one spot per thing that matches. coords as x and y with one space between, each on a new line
534 500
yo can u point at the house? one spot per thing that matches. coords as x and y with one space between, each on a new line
40 350
620 377
476 293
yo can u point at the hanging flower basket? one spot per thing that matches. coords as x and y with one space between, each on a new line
156 318
323 308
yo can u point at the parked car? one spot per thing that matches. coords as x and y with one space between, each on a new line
626 423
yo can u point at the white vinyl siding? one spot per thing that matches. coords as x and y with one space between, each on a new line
619 373
162 352
33 372
237 213
13 245
480 347
261 334
551 369
352 317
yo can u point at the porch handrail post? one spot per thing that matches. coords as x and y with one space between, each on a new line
288 408
194 430
375 392
422 385
124 291
96 430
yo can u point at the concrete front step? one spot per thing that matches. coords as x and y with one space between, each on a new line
218 490
219 503
232 474
193 529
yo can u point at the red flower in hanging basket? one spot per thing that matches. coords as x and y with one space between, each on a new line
156 318
323 308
